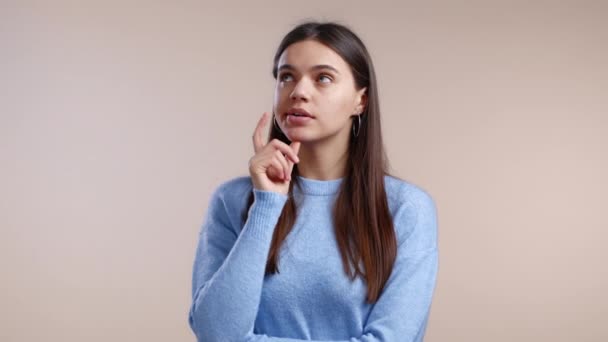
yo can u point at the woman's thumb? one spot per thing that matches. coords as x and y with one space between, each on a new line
296 146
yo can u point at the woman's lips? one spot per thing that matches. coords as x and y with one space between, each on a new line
298 120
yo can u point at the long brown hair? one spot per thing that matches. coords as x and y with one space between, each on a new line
363 224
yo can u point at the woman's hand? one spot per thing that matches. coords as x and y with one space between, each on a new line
270 168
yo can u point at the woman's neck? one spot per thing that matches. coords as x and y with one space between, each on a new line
322 162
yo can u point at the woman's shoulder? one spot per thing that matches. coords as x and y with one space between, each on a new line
402 191
414 212
237 184
229 199
232 192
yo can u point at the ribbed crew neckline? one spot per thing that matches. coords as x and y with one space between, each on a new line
318 187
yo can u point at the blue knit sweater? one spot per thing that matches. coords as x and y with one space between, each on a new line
311 298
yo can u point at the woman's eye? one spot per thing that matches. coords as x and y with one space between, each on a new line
329 79
283 76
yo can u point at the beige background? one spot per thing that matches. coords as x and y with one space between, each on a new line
118 119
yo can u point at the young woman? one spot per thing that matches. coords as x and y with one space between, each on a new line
319 242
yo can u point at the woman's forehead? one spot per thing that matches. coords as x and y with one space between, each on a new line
310 53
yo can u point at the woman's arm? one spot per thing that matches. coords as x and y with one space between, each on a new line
229 267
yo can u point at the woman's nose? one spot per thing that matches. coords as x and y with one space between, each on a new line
300 91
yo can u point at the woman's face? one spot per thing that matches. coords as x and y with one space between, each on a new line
313 78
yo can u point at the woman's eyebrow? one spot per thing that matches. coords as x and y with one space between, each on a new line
316 67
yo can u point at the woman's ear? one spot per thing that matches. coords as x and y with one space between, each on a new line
361 100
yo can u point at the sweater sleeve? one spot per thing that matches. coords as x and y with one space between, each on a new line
402 311
229 267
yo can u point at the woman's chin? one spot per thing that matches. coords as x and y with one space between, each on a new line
294 135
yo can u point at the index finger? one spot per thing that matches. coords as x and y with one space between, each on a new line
258 138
